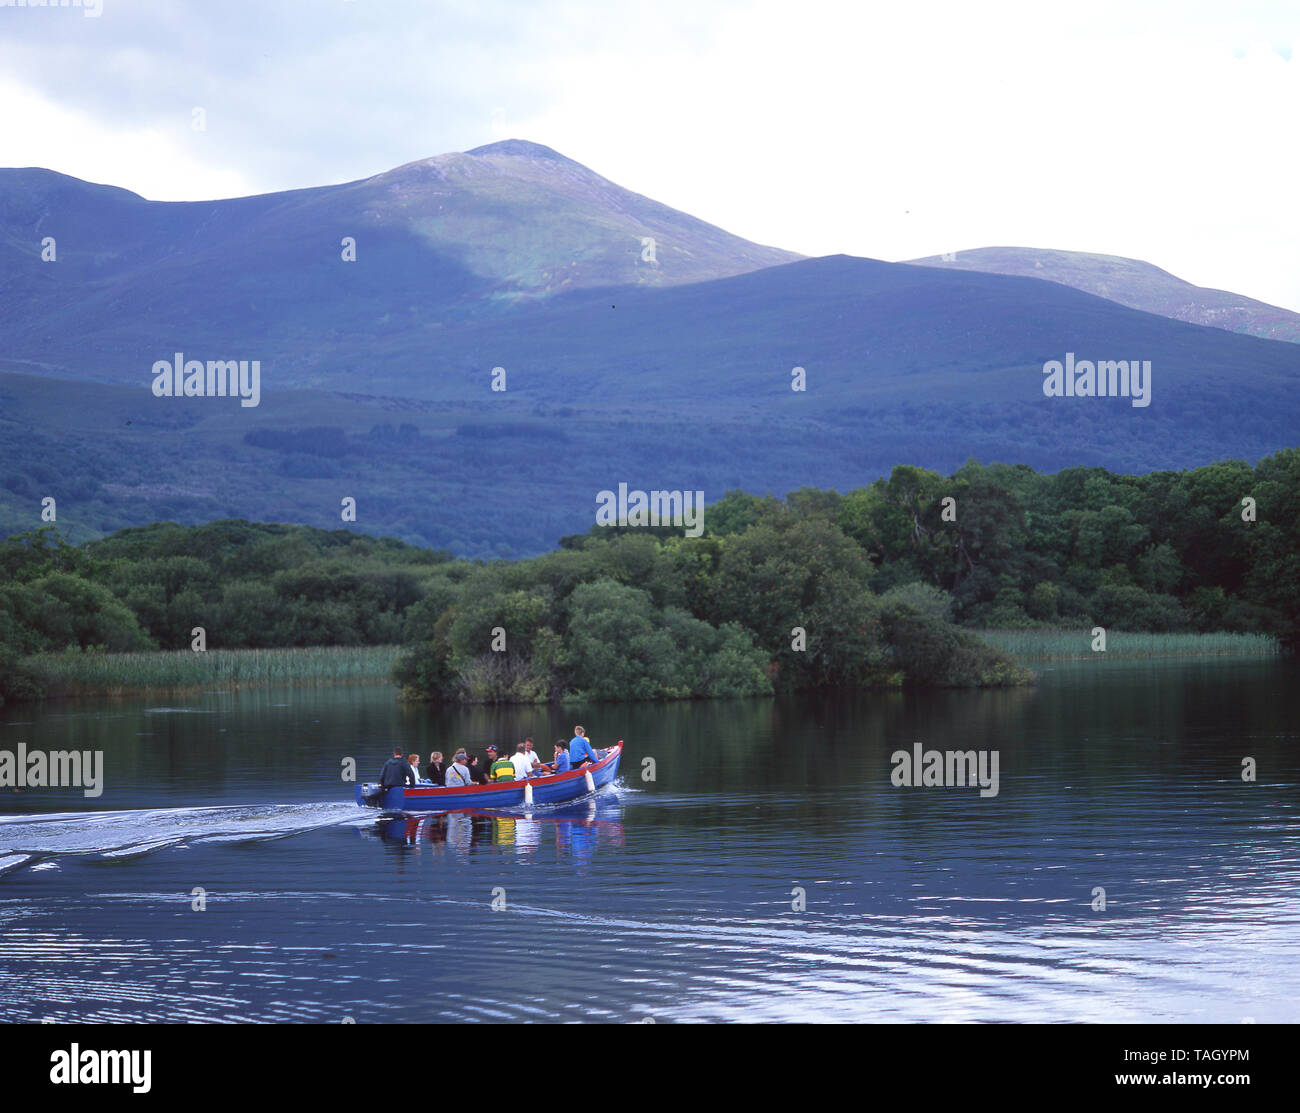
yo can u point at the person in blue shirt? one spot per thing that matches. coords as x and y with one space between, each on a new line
580 751
561 763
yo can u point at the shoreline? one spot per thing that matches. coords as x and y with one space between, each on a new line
84 676
74 676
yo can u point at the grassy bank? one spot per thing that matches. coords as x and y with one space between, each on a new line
1076 644
76 673
93 674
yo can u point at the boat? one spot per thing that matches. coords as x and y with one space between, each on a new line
553 788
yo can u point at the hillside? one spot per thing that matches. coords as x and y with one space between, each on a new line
376 375
1133 283
263 277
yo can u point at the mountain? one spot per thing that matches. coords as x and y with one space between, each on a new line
443 238
1133 283
376 375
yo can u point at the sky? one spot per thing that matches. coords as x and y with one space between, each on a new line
1163 130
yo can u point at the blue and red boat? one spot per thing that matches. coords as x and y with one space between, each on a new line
554 788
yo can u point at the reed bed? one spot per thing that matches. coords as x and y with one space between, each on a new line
1075 644
75 674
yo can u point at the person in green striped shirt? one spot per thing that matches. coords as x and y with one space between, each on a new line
503 769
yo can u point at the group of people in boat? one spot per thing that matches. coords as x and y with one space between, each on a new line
468 769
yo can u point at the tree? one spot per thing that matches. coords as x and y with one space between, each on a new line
1274 539
68 611
786 573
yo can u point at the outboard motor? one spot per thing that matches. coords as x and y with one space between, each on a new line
373 795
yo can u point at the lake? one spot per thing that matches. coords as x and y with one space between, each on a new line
769 870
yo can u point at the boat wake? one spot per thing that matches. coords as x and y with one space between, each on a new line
126 834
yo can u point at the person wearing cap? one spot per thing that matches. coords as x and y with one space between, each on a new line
458 772
490 754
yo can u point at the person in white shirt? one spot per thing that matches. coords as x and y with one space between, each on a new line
519 759
414 760
537 767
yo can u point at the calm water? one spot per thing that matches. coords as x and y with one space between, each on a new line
672 898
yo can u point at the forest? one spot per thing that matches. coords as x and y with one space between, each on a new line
813 590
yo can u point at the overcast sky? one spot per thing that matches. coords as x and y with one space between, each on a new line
1165 130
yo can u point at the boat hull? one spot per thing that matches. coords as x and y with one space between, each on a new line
554 789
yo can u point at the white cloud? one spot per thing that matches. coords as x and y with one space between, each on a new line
36 132
1156 129
931 130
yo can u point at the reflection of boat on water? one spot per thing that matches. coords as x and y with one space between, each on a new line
576 829
557 788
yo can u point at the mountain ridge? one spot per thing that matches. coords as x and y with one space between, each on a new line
518 219
376 375
1130 282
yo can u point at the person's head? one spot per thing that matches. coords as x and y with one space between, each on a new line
560 745
520 748
435 756
414 759
472 760
528 744
579 732
460 757
492 752
397 751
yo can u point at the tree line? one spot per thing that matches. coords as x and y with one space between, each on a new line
814 590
